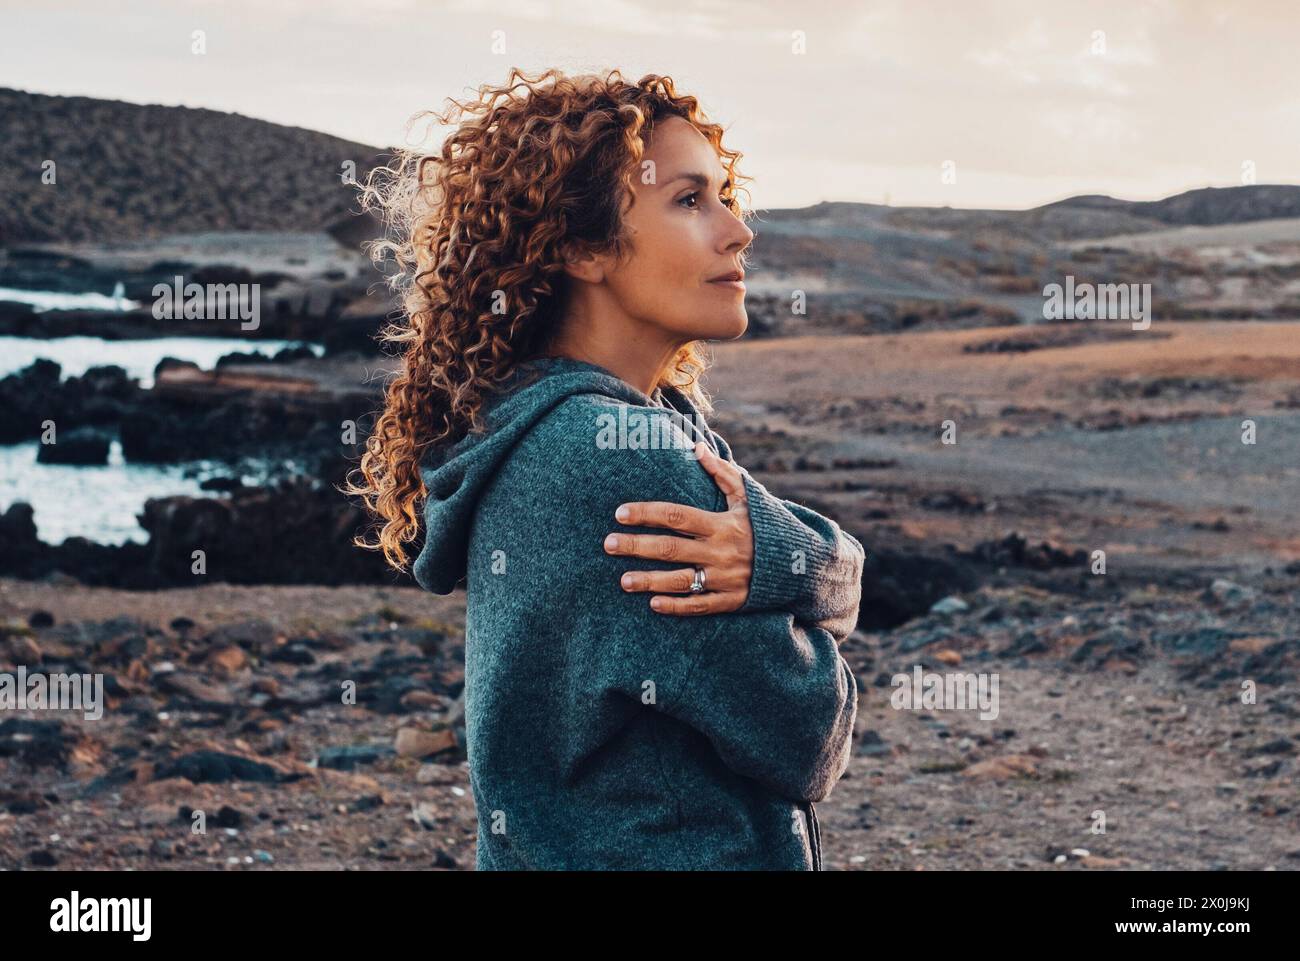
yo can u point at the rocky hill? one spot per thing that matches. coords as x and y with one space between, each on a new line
126 171
1207 207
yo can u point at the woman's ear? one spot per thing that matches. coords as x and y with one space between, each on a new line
582 264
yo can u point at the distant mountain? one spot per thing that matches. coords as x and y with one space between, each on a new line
893 258
1085 216
128 171
1206 207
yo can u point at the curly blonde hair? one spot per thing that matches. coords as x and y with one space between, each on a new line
535 169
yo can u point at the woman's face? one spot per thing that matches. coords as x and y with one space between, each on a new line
682 238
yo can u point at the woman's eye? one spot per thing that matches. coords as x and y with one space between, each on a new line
692 196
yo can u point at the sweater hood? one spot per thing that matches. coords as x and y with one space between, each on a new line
456 475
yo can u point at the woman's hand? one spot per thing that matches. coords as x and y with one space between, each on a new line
722 543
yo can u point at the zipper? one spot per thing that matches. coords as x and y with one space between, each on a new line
814 829
814 836
690 416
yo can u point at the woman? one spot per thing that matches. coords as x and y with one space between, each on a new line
672 697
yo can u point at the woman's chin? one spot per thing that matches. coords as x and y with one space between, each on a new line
728 326
739 324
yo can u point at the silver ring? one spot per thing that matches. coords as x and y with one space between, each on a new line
697 585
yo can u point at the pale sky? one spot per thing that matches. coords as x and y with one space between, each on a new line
1029 100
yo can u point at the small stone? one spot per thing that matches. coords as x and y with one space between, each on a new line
198 692
1228 593
444 860
228 817
419 700
24 650
1279 745
266 685
1097 863
952 604
1003 768
42 858
425 815
214 767
871 744
1263 768
228 661
413 742
347 757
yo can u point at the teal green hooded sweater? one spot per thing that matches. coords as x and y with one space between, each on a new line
601 734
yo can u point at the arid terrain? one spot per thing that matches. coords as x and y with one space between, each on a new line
1120 693
1101 518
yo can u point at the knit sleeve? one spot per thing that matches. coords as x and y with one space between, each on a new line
773 696
804 563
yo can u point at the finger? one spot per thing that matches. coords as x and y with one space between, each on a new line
660 582
710 602
727 476
678 517
660 547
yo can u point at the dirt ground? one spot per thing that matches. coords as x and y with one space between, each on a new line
1120 696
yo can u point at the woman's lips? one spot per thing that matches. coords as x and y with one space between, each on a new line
733 284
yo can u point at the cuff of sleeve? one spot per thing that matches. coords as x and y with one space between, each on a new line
786 552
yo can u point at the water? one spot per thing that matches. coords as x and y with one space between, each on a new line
100 502
47 300
138 357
